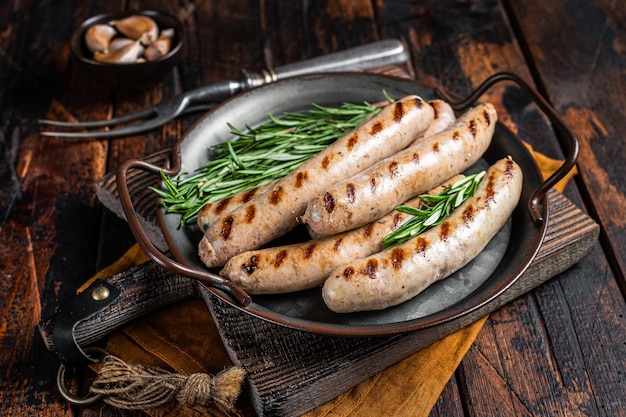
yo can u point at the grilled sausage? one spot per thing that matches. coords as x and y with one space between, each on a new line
301 266
444 117
210 212
274 213
399 274
372 193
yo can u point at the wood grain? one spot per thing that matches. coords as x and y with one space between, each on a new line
292 371
55 233
589 92
52 212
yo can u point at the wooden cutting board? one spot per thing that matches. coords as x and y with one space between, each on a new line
291 372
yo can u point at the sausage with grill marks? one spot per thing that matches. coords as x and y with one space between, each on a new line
443 117
306 265
274 213
210 212
399 274
370 194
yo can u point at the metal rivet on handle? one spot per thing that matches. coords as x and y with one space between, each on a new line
100 293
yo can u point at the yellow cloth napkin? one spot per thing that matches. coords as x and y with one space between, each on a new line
183 338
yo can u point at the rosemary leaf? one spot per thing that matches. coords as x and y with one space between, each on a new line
433 210
259 155
432 219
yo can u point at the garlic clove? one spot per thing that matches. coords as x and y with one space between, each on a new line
146 38
119 43
126 55
98 37
161 46
137 25
157 49
167 33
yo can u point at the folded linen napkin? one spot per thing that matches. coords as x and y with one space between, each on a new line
183 338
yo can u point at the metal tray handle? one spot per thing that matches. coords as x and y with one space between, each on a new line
204 277
213 280
555 119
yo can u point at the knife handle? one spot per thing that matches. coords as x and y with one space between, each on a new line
108 304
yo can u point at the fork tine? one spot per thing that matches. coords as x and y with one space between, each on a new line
128 130
102 123
122 131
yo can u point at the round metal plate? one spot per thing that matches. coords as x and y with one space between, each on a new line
506 257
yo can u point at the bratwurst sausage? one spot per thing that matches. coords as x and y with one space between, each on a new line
300 266
275 212
210 212
443 118
377 190
399 274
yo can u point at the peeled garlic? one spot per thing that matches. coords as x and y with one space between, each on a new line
98 37
129 40
161 46
137 25
125 55
119 43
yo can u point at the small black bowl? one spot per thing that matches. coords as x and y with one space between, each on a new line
130 77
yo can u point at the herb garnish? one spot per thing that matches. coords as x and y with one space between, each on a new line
260 155
433 209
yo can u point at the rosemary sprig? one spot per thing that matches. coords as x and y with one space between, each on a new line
433 210
260 155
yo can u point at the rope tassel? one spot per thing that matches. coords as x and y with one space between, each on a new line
137 387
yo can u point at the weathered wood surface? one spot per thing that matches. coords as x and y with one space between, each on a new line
576 60
288 385
557 351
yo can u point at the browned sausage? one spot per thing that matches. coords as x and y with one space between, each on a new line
370 194
210 212
301 266
444 117
391 277
274 213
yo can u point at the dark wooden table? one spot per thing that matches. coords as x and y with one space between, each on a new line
559 350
